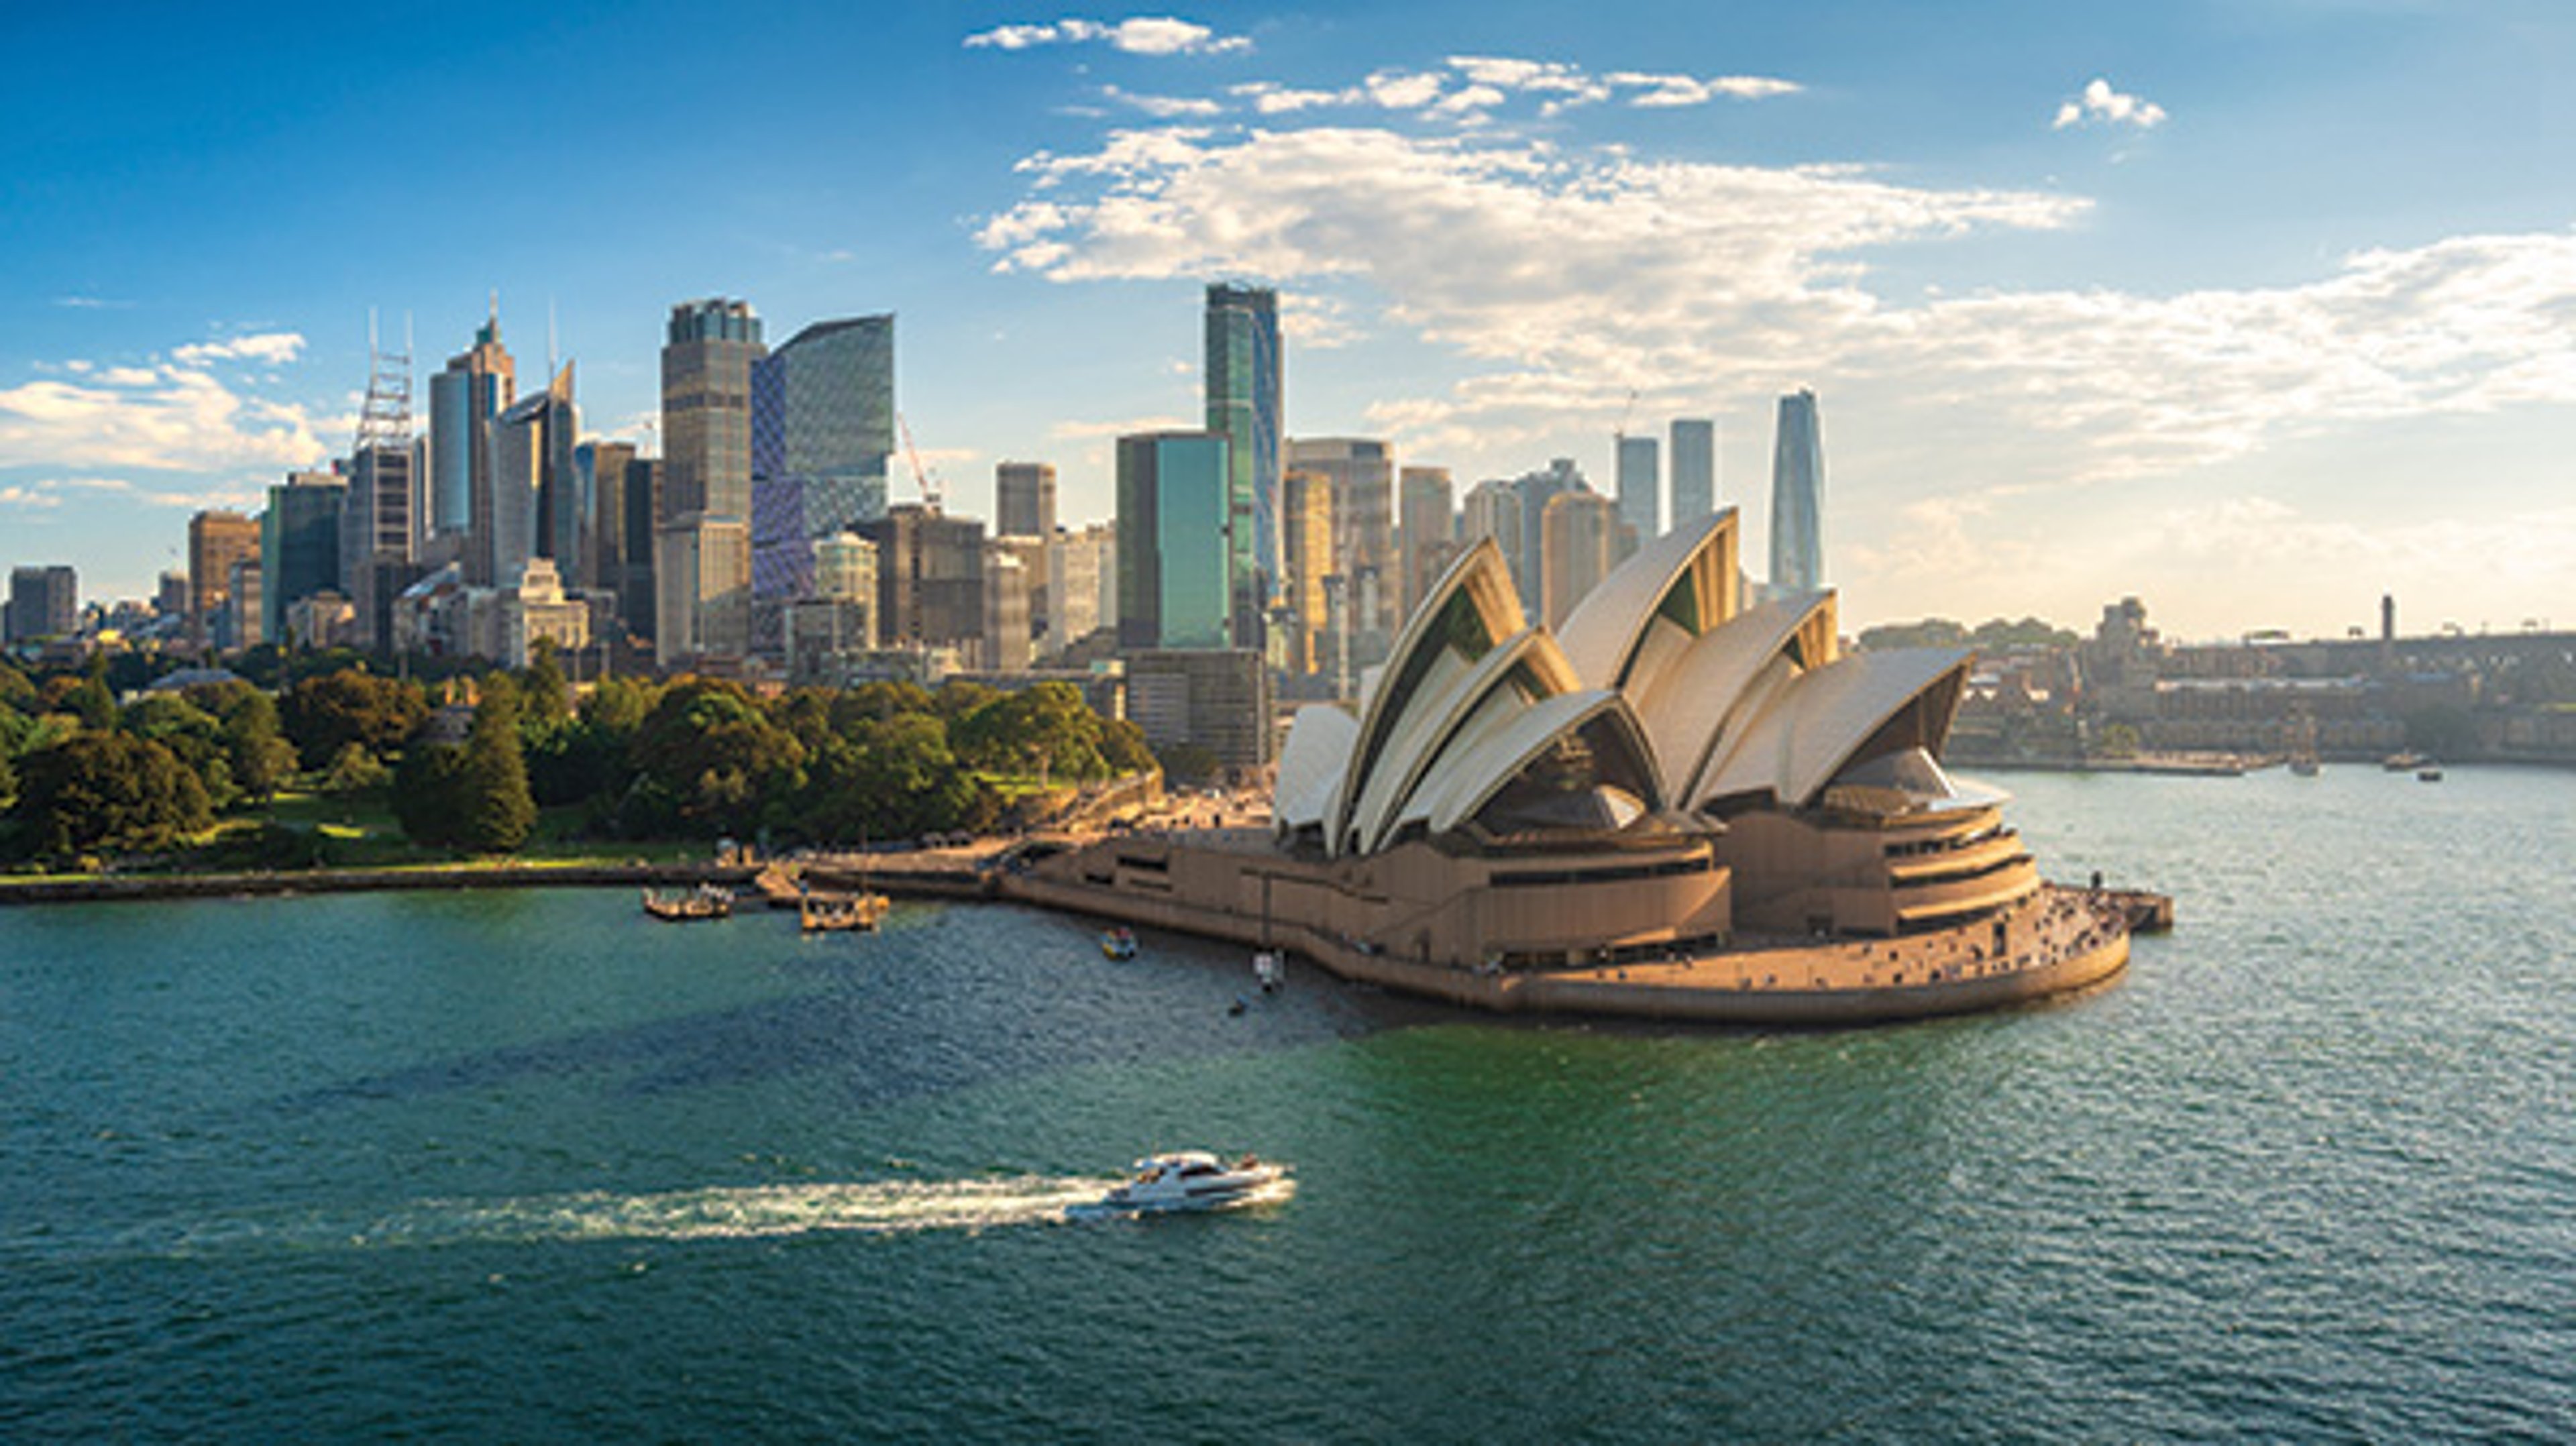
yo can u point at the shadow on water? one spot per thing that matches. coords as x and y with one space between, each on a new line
951 1009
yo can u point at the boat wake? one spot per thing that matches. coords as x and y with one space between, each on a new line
752 1212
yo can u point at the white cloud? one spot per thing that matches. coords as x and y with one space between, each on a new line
1680 90
1271 98
2100 104
275 348
1162 107
1403 90
177 415
49 492
1565 277
1137 35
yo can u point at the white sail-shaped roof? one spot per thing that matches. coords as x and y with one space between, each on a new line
1471 610
1318 747
1701 696
1432 727
1500 759
1798 743
1607 632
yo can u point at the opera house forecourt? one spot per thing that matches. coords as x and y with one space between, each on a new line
1678 806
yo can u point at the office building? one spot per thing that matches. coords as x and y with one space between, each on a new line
44 602
299 545
534 506
1243 376
620 560
1082 584
1427 518
1306 551
244 616
701 591
930 577
1694 469
1641 493
823 416
534 608
1581 546
1175 587
1214 698
477 386
216 540
1024 499
170 594
376 532
1361 473
707 353
1536 490
1798 497
1006 608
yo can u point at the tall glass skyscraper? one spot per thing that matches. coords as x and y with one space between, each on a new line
822 431
1798 496
477 386
1641 491
1694 469
1243 404
706 408
1175 588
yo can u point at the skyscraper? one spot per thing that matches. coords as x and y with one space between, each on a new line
1024 499
1798 496
216 540
477 386
376 533
930 577
1243 404
707 354
1361 473
299 545
1427 514
1536 490
533 506
1581 546
44 602
1306 553
701 589
1175 588
1694 469
1641 488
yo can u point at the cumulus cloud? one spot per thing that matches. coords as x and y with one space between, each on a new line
1162 107
1679 90
2101 105
176 414
275 348
1565 276
49 492
1137 35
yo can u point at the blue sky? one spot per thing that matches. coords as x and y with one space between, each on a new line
2254 309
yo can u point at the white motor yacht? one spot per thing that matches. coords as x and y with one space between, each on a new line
1192 1180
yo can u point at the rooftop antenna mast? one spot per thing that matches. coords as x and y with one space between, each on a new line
384 419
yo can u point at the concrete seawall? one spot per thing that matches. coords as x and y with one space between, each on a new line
2075 940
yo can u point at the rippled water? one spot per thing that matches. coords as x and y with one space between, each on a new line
526 1167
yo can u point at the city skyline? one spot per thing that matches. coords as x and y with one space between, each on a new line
2254 312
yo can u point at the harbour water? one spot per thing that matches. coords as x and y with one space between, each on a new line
523 1166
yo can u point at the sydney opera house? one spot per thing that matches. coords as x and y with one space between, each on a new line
1676 804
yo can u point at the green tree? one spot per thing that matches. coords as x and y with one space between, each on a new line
322 715
710 755
260 757
1123 748
191 733
544 696
617 706
8 781
88 700
111 791
877 702
429 794
355 771
15 691
497 813
1046 730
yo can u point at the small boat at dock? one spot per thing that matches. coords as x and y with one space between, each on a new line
1269 970
689 906
1119 943
829 913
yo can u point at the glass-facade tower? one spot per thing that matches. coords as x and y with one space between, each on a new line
822 431
1693 467
1641 489
1243 404
1175 584
1798 496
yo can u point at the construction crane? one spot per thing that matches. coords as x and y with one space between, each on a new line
931 493
1626 412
